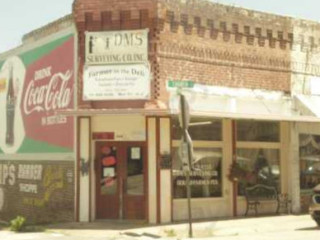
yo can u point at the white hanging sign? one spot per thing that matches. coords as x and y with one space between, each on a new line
117 47
116 82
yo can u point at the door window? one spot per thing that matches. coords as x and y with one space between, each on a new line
108 177
135 177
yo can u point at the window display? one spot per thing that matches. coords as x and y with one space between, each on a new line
309 161
206 174
205 179
258 166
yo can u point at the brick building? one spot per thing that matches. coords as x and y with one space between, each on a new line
37 146
254 86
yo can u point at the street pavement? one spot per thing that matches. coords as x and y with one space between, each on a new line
286 227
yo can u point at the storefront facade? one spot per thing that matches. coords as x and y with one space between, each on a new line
245 81
250 86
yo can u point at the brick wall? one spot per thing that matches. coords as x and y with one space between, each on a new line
217 62
216 44
222 45
41 191
208 43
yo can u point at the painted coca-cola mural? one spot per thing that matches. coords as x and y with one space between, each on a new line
34 86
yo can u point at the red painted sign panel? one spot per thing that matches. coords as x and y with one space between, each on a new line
37 84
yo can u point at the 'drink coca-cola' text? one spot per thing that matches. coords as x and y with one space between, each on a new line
55 94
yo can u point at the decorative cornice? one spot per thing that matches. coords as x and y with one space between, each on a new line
229 58
246 26
53 27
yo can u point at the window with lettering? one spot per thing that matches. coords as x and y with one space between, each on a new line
205 179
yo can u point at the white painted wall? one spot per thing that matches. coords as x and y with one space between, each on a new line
84 179
294 169
227 161
165 174
201 208
125 127
152 170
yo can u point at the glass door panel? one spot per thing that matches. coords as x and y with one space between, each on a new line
108 157
135 176
108 166
134 202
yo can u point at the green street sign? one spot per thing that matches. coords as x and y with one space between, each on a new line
180 84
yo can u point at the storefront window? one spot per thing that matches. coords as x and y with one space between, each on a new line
258 131
258 166
210 130
309 161
205 178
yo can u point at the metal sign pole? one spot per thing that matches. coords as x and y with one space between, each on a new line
185 123
189 203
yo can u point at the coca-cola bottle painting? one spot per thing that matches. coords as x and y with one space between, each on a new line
10 109
12 130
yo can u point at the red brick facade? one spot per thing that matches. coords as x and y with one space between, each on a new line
206 42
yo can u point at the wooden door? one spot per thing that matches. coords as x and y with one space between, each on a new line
121 180
108 180
134 181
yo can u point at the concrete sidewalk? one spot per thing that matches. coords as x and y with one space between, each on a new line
272 227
